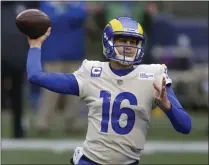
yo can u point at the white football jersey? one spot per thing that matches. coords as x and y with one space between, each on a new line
119 109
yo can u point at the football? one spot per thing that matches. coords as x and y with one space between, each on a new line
33 23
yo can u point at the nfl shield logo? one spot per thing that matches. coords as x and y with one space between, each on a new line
119 82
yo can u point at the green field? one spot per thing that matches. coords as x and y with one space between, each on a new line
160 129
47 157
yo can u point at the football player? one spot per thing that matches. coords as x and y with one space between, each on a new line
118 93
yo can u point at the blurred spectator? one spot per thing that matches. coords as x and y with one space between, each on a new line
63 51
94 28
34 97
14 51
149 10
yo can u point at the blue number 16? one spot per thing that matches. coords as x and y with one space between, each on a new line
117 112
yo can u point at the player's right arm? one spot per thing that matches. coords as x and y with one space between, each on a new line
56 82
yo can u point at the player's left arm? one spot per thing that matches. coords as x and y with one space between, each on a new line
168 102
179 118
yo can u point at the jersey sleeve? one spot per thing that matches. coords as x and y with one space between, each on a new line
53 81
81 77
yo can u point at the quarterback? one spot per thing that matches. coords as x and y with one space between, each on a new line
119 93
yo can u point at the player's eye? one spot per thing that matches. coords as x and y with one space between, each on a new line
133 42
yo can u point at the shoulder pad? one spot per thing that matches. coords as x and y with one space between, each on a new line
91 67
88 64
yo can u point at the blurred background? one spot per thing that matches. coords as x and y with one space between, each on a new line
41 127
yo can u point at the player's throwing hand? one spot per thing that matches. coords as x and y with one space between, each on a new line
39 41
161 96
